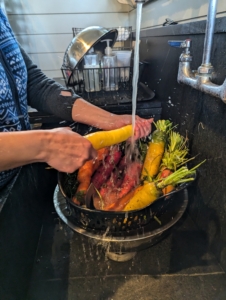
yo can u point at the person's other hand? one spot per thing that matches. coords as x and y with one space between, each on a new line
142 126
67 151
87 113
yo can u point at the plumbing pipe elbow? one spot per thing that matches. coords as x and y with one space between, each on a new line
223 92
200 82
185 75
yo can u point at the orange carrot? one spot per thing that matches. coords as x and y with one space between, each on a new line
102 153
85 173
121 203
165 173
169 188
83 177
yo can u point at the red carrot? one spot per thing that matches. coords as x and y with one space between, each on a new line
130 180
104 171
121 203
115 179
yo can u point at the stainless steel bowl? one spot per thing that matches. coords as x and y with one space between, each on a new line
85 40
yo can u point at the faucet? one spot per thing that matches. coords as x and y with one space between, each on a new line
200 79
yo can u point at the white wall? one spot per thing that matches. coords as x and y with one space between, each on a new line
182 11
44 27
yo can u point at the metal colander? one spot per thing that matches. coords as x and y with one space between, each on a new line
110 221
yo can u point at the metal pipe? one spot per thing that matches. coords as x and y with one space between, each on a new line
201 83
210 24
201 79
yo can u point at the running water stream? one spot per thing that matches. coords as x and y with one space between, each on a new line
105 244
136 66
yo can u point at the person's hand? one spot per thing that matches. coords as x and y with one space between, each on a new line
90 114
142 126
67 151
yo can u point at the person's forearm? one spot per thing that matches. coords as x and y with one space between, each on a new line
21 148
60 148
86 113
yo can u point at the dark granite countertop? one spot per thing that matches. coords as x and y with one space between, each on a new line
69 266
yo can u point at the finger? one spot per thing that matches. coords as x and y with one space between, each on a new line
147 122
147 128
93 154
142 130
139 131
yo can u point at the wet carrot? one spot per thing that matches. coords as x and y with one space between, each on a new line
85 173
169 188
174 156
104 170
165 173
103 139
151 191
147 195
120 204
155 150
130 180
115 180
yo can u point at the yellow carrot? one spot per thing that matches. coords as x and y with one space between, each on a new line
102 139
144 197
152 190
155 150
153 158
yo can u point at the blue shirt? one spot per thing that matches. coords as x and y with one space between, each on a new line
13 88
